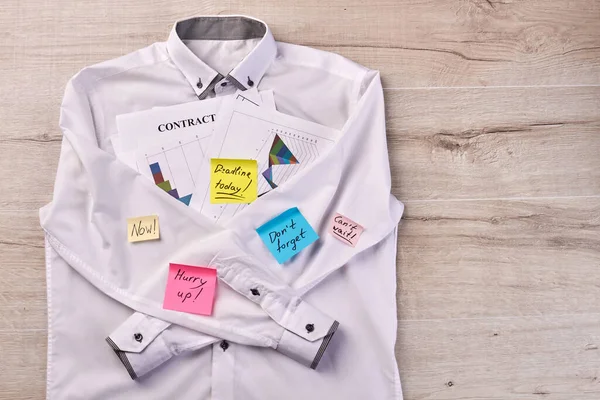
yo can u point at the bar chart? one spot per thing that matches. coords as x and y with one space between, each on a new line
175 164
165 185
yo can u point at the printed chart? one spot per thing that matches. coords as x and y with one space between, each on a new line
278 155
282 145
173 159
288 153
174 169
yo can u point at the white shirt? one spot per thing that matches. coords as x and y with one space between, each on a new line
254 346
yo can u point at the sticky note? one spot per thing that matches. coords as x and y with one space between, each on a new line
346 230
287 234
143 228
233 180
190 289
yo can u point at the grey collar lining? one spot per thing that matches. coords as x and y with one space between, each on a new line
220 28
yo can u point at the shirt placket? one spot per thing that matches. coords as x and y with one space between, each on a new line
224 88
223 370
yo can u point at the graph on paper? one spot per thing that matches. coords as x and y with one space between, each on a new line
173 159
288 154
279 154
174 165
165 185
282 145
142 129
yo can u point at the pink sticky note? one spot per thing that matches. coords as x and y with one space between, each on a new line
190 289
345 229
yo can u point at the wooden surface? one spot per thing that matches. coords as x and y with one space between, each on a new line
494 134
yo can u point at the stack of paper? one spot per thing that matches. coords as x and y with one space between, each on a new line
173 146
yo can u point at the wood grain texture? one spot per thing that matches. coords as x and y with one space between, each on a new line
23 366
493 111
525 358
499 258
494 142
22 273
418 43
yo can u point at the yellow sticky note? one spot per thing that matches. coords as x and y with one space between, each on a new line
143 228
233 180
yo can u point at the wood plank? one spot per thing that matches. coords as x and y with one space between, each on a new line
46 43
472 259
414 43
550 358
22 272
23 366
35 166
406 67
506 358
494 142
513 358
43 44
419 43
443 143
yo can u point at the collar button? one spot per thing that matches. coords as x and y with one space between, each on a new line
138 337
310 328
199 84
250 82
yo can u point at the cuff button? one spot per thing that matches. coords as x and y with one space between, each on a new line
138 337
310 328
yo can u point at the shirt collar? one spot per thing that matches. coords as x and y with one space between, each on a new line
202 77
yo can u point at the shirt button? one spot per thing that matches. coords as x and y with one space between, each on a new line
224 345
138 337
310 328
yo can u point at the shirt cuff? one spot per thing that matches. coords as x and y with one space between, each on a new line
133 338
307 334
139 364
281 303
303 351
307 331
142 343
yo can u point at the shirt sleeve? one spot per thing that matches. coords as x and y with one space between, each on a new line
86 224
143 343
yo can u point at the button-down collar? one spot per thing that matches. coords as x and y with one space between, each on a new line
200 75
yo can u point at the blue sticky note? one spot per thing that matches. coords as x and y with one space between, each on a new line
287 234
